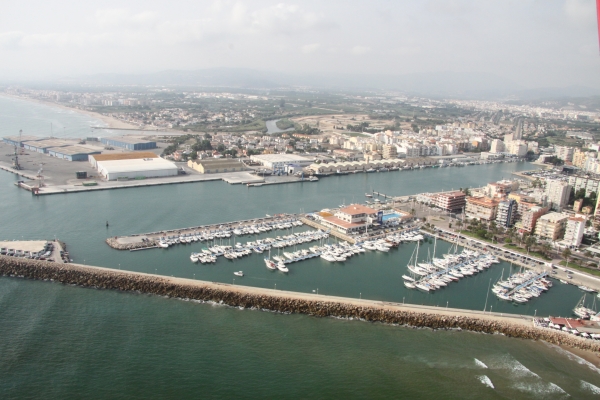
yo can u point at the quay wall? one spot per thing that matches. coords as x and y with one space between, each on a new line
286 302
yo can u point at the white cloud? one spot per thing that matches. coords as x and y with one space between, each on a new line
11 39
580 11
360 50
310 48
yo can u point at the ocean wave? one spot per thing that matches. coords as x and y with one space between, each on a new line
540 388
486 381
512 365
574 357
480 363
589 387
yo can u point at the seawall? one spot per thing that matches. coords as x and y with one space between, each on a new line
289 302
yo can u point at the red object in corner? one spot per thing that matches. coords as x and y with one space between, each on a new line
598 18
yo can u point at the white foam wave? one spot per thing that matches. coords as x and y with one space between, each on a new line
480 363
589 387
486 381
540 388
576 358
510 364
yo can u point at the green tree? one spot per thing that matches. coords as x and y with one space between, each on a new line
530 242
566 253
221 148
546 248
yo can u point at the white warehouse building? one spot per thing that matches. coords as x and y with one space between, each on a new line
136 168
274 161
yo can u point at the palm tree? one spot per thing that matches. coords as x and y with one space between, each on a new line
546 248
566 253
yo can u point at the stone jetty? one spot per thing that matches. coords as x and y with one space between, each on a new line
115 244
288 302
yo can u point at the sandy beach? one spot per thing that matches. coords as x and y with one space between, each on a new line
109 122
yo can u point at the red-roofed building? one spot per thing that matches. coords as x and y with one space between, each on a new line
452 201
353 218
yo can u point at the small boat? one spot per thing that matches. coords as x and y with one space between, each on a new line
409 285
281 266
239 273
586 289
368 195
408 278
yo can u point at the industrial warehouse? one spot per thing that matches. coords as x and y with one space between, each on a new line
129 143
122 166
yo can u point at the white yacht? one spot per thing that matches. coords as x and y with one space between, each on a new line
282 267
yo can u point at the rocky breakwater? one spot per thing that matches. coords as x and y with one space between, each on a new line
114 243
286 302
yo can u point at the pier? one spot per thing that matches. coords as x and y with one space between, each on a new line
151 239
318 305
525 284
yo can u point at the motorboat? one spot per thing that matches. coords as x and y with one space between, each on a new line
410 285
282 267
239 273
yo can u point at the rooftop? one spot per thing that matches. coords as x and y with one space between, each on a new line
354 209
482 201
71 150
24 138
126 139
553 217
136 165
452 194
280 157
47 143
124 156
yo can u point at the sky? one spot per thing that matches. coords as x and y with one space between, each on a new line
533 43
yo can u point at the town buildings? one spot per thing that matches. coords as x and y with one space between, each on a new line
451 201
574 232
481 208
350 219
507 213
551 226
558 193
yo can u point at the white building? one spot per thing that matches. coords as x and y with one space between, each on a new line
574 232
497 146
558 193
136 169
275 161
517 147
565 153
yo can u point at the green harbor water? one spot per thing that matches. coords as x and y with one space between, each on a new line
60 341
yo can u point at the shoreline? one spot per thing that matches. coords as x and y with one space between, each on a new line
511 325
111 122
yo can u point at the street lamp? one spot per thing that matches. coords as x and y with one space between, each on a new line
447 303
360 295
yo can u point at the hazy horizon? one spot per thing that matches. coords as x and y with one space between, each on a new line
515 45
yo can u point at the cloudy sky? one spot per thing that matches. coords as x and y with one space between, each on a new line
535 43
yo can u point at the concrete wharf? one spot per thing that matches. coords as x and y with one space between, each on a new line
150 239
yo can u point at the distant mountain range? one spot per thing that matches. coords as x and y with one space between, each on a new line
437 84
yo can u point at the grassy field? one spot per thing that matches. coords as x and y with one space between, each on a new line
578 267
531 253
286 124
